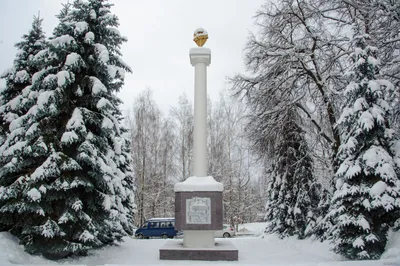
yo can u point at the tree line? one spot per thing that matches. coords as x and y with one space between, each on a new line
162 147
322 84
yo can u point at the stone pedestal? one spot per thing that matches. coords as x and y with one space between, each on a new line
198 214
198 210
223 250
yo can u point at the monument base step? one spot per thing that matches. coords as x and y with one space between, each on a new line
223 250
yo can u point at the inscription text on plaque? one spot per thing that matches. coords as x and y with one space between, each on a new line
198 210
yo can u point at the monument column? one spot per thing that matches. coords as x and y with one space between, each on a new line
198 199
200 58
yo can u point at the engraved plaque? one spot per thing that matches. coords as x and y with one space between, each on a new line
198 210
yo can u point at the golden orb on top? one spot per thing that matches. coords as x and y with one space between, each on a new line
200 37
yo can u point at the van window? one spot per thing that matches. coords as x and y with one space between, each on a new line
171 224
154 225
163 224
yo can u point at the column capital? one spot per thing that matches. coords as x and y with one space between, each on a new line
200 55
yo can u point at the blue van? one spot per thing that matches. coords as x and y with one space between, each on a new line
157 227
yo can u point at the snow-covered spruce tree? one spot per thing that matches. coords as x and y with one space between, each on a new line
318 223
367 197
288 199
78 193
20 74
13 105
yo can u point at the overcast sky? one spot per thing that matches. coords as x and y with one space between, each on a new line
160 34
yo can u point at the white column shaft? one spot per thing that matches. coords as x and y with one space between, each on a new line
200 121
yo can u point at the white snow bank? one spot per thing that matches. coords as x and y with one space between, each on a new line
11 253
255 229
256 251
392 247
195 183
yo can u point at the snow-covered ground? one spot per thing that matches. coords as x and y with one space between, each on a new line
254 229
261 250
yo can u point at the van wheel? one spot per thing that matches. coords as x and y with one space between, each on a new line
140 236
226 235
164 236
